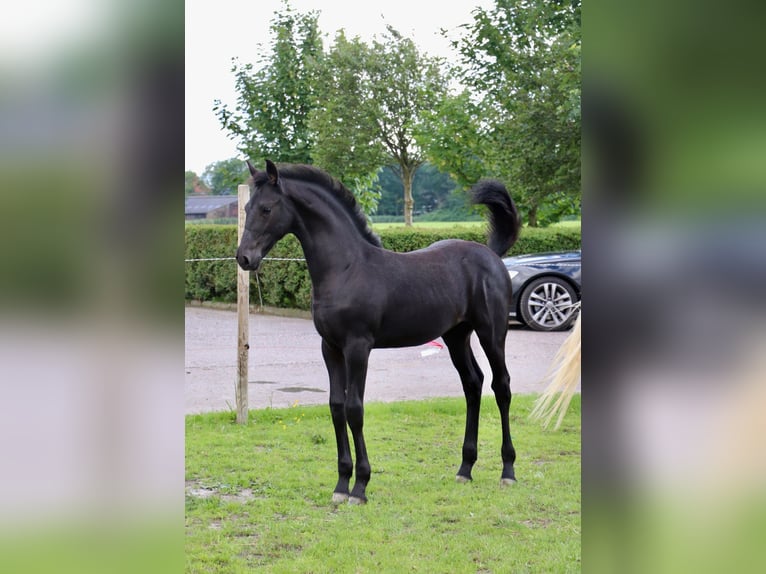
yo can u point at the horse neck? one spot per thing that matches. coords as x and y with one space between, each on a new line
331 241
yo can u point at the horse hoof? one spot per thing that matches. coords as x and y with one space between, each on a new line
462 479
339 498
507 481
356 500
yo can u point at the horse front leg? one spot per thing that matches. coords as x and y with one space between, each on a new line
357 355
336 369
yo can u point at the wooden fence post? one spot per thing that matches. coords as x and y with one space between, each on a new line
243 310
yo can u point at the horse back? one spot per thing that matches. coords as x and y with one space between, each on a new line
462 272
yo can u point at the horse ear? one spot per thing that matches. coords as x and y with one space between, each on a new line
271 171
253 171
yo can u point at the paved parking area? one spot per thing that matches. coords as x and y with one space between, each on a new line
285 364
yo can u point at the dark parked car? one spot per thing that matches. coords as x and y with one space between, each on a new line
546 289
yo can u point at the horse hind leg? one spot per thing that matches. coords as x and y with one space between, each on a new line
493 342
458 341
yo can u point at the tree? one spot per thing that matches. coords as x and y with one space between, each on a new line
346 142
404 85
350 111
434 192
193 184
223 177
271 116
374 102
432 188
392 193
522 61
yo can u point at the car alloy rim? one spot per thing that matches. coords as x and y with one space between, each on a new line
550 304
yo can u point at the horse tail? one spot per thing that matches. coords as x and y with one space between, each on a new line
564 375
504 220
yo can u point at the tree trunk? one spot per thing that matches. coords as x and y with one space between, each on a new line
407 177
532 215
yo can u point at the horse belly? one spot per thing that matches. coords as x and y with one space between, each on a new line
410 325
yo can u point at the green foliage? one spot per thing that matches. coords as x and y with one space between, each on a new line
258 495
223 177
404 84
532 240
387 219
454 209
210 280
347 143
521 122
374 101
270 120
287 283
189 179
392 193
350 110
367 192
282 283
434 192
359 107
454 139
212 221
193 184
433 189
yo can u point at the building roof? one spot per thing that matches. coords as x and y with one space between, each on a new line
196 204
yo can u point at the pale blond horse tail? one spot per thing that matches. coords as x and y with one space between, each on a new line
564 374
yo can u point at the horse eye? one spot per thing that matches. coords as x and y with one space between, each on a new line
265 210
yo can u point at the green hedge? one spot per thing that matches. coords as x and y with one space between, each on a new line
286 283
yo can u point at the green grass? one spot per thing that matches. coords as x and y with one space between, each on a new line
568 224
431 225
258 495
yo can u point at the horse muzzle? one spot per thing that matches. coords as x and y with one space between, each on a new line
249 261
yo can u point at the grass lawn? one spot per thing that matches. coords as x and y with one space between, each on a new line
258 495
430 225
573 223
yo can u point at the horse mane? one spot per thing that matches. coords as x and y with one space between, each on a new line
344 198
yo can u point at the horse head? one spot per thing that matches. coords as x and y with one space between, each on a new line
268 217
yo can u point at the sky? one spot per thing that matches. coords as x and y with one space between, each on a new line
218 31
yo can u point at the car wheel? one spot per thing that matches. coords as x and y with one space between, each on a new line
548 304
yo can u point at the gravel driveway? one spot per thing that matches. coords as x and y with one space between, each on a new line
285 364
